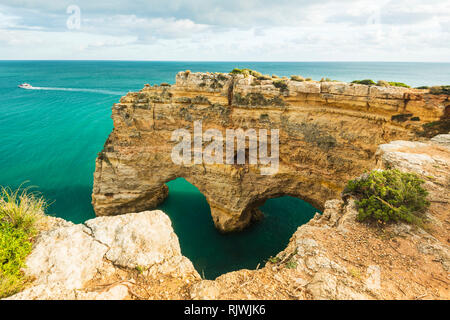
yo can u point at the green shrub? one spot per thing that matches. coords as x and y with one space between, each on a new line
221 77
236 71
247 72
140 269
368 82
274 260
280 84
398 84
434 128
20 213
440 90
297 78
14 247
423 87
328 80
291 264
389 195
256 74
308 79
216 84
265 77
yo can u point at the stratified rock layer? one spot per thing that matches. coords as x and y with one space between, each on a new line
329 133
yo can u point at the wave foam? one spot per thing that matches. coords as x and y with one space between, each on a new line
80 90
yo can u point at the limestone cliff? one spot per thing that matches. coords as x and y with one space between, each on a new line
329 132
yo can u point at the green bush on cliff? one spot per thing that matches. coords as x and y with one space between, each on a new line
440 90
280 84
20 213
265 77
434 128
368 82
383 83
247 72
297 78
398 84
389 195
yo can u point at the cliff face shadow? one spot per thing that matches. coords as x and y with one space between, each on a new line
214 253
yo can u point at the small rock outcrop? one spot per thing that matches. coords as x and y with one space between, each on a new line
328 134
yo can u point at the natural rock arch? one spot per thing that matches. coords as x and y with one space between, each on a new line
329 133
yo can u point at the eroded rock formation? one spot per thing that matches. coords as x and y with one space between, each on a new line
96 260
329 133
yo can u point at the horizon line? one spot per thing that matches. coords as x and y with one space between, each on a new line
230 61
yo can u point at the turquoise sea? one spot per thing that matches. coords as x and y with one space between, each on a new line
51 136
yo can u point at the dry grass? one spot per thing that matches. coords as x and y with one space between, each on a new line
21 214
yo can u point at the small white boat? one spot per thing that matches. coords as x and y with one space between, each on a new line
25 86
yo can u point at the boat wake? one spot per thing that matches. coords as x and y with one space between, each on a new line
109 92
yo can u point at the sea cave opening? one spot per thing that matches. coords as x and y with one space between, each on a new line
213 253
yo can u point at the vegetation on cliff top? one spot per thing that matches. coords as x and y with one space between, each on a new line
328 80
368 82
297 78
247 72
398 84
280 84
389 195
434 128
20 213
381 83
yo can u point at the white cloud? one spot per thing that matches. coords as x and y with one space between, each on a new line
208 30
145 28
8 21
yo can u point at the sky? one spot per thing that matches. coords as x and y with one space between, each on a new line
227 30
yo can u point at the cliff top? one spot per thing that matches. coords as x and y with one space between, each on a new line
401 103
215 82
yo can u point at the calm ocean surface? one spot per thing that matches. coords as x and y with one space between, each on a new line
50 137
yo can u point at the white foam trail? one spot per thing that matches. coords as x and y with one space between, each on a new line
79 90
